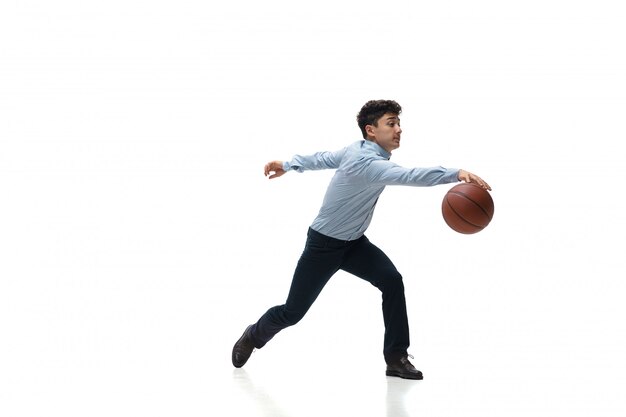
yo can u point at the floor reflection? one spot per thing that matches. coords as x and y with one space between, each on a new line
264 402
397 396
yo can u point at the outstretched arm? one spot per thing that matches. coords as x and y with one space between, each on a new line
275 168
388 173
301 163
473 178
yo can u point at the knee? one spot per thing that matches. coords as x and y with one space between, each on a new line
291 317
392 282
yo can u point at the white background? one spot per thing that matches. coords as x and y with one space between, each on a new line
138 236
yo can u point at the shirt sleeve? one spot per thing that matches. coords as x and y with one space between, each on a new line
319 160
389 173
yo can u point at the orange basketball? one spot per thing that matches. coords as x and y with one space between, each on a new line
467 208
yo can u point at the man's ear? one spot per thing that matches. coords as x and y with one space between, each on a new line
369 129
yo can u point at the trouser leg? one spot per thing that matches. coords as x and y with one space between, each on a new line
368 262
318 263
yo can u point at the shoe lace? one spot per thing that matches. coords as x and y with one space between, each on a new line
406 358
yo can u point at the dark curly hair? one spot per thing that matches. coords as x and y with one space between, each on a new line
374 110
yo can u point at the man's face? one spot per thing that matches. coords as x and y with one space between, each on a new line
387 133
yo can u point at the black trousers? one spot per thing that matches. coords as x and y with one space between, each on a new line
322 257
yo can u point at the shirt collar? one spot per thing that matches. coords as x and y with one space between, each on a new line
378 150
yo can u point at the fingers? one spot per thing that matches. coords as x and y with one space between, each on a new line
474 179
484 185
479 181
275 168
269 167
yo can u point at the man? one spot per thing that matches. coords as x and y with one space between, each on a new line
336 239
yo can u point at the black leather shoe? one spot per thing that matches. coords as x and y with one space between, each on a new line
403 368
243 349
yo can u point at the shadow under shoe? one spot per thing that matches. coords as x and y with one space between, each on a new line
403 368
243 349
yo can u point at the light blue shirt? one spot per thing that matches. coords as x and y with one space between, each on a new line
363 171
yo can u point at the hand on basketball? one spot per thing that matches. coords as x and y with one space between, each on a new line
275 168
473 178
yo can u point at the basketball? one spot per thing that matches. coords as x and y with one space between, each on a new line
467 208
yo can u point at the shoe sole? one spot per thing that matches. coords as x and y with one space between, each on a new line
405 375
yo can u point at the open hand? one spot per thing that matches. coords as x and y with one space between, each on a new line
473 178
